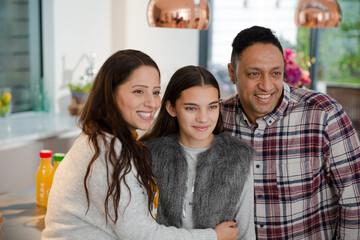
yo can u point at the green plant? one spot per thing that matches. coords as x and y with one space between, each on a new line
80 87
339 48
83 85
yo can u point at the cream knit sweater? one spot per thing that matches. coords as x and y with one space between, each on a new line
66 216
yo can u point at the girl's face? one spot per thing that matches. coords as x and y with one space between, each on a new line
197 112
138 98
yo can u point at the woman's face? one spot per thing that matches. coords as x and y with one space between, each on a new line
138 98
197 112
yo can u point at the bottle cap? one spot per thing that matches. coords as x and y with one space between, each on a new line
58 156
45 154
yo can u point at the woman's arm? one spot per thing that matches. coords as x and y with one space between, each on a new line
67 216
136 223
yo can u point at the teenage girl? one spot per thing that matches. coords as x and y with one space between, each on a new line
204 176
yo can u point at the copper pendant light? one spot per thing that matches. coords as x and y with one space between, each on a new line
318 14
193 14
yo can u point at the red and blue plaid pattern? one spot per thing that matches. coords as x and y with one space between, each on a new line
306 168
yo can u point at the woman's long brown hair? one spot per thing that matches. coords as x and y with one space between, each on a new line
101 119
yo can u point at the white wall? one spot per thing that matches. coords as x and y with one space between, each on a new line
72 29
170 48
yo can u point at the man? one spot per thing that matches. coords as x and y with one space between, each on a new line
307 163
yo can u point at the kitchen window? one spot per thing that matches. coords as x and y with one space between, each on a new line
336 50
229 17
20 53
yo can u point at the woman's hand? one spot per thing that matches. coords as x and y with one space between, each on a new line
227 231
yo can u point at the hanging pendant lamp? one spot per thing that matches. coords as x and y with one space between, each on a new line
192 14
318 14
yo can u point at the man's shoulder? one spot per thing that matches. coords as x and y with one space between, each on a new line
229 101
312 99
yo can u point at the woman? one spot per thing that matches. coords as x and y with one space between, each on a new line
204 176
103 189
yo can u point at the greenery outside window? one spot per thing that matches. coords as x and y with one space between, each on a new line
337 50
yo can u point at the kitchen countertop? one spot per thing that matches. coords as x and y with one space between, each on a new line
23 219
21 128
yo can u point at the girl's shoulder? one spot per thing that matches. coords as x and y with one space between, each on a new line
167 141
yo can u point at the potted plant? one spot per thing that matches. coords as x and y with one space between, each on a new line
79 89
79 92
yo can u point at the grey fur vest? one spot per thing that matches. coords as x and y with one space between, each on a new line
221 173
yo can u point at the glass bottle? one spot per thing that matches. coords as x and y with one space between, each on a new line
58 157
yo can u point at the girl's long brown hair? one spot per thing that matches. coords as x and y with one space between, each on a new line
101 116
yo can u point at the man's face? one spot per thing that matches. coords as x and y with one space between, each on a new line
258 76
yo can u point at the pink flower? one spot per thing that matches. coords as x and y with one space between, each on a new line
288 53
294 75
305 79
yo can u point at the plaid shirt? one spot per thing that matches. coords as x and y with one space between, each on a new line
306 168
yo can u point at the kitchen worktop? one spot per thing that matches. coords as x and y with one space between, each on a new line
22 218
21 128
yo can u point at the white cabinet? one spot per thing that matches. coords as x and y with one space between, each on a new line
18 164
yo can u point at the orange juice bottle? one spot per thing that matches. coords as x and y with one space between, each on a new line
43 178
58 157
